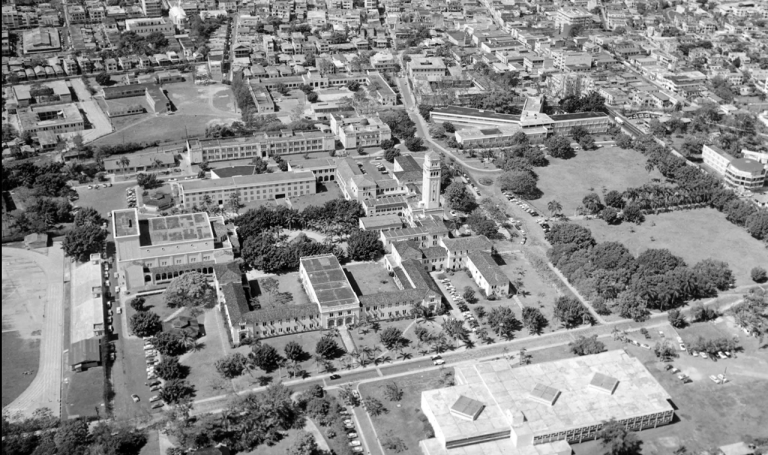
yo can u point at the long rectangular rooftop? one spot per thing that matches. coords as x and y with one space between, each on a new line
175 228
329 281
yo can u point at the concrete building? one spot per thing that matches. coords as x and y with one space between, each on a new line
747 173
152 252
487 274
59 118
139 162
327 285
259 187
152 8
323 168
541 409
479 138
426 67
41 40
356 132
147 26
594 122
571 16
270 143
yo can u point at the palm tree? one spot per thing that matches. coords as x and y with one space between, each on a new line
188 340
554 207
156 163
124 161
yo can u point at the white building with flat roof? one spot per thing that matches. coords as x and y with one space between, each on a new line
496 408
258 187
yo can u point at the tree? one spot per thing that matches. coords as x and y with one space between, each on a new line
610 215
575 30
294 351
353 86
326 347
414 144
374 406
391 153
393 392
757 224
592 204
88 216
520 183
176 391
233 201
103 79
664 350
145 324
618 440
534 320
437 131
169 343
9 132
502 321
554 207
614 199
578 132
137 303
265 356
393 443
449 127
111 439
559 147
312 97
364 245
624 141
72 436
469 295
676 319
632 306
424 110
587 142
458 198
80 243
169 368
232 366
633 213
586 346
758 274
714 274
390 336
565 233
305 444
191 289
148 181
570 312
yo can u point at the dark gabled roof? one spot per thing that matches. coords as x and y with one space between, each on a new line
84 351
408 163
408 249
236 302
418 276
228 272
488 268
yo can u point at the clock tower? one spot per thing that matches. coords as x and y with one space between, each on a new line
430 189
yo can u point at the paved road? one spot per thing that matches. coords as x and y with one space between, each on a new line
45 390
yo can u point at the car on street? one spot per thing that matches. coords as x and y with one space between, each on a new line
682 346
135 398
334 377
438 362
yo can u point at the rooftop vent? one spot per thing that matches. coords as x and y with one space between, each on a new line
603 383
467 408
544 394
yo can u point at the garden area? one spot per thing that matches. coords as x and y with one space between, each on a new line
370 278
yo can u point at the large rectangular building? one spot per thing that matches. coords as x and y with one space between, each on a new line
263 145
496 407
258 187
147 26
60 118
152 252
327 285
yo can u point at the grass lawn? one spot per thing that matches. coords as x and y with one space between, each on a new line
19 356
404 419
693 235
154 303
609 168
86 393
202 371
370 278
104 200
287 283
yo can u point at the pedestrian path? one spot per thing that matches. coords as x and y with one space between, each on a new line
346 338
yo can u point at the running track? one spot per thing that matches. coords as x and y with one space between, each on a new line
45 389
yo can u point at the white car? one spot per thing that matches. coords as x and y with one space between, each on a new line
438 362
154 398
354 443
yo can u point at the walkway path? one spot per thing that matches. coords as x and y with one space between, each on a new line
45 390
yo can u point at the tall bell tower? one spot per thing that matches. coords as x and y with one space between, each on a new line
430 185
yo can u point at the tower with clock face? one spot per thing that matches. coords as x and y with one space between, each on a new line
430 189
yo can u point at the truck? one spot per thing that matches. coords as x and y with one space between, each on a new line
619 121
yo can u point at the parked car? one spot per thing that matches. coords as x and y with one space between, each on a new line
135 398
439 362
159 404
334 377
703 355
682 346
355 443
357 449
352 435
154 398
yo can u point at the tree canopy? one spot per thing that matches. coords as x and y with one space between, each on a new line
190 289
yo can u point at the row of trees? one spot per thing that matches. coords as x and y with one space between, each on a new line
607 273
690 187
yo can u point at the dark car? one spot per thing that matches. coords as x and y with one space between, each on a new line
335 376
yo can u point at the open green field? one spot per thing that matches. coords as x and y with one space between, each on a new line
86 394
403 418
20 356
609 168
211 347
691 234
197 107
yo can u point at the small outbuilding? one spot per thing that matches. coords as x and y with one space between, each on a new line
34 241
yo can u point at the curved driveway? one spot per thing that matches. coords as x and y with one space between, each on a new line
45 390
